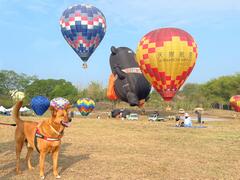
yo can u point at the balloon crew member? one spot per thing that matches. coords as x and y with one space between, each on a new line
199 116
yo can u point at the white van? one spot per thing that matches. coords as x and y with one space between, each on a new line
132 116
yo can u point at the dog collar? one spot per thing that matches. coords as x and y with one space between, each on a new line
132 70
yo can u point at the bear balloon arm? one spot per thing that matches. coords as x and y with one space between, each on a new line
121 75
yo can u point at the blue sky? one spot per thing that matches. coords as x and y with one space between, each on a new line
32 43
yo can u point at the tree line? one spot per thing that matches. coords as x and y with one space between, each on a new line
51 88
215 91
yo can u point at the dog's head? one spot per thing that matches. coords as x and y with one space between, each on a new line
62 116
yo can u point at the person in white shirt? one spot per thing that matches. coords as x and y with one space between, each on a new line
180 119
187 121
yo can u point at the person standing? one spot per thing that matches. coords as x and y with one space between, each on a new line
199 117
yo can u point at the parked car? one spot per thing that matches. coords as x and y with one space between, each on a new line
132 116
155 117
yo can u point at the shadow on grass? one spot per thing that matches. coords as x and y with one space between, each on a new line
7 170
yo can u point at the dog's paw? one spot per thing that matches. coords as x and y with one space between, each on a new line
58 177
42 177
18 172
31 168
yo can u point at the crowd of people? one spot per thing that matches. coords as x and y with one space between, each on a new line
183 119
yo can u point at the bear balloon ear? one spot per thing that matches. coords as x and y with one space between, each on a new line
113 50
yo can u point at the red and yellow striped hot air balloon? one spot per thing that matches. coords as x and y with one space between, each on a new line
235 102
166 57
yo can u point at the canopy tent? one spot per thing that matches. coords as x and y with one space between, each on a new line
9 109
24 109
2 109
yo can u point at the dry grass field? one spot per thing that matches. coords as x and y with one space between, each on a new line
120 149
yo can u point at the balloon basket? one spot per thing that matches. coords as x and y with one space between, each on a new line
84 66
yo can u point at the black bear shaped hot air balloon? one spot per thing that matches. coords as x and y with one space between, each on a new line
127 81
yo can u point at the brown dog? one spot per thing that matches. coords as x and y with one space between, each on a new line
44 137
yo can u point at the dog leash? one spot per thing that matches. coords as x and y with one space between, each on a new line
6 124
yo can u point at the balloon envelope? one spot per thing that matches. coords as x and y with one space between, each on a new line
129 83
85 106
83 27
166 57
235 102
40 104
59 103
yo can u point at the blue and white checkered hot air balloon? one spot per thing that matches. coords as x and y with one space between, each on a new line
83 27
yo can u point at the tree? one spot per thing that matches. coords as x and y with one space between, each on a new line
65 89
193 94
51 89
155 100
10 80
94 91
221 89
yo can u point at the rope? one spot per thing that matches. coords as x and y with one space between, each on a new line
7 124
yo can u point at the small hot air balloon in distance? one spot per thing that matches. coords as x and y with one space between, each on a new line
40 104
167 56
59 103
85 106
235 102
83 26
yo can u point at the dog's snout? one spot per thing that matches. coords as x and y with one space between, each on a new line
69 119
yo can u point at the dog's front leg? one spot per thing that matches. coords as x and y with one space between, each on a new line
41 163
55 163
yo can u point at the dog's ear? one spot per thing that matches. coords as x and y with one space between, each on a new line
53 111
113 50
69 106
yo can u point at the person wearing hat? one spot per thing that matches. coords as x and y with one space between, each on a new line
180 118
187 120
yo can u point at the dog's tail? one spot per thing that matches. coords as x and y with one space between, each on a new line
15 112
